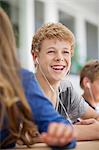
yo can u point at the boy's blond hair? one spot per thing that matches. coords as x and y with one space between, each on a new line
52 31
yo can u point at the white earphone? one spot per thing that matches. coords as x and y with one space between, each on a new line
37 60
52 89
88 85
90 90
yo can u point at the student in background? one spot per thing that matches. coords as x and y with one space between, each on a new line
52 49
16 117
89 82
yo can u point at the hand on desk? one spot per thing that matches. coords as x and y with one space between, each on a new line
58 134
86 121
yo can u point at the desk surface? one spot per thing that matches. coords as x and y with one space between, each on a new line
85 145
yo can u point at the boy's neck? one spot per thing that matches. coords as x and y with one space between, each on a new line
52 95
89 99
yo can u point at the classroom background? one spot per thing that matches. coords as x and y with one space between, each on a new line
80 16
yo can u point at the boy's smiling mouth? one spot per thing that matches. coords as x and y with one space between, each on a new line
58 67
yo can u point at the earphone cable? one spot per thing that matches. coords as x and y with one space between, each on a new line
58 101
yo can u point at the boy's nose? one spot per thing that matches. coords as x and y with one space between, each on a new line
59 59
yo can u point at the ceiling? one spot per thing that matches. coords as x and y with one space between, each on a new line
92 5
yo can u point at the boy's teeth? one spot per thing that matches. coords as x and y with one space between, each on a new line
58 67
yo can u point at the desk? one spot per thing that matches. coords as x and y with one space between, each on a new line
85 145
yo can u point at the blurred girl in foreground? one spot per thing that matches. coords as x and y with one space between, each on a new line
15 113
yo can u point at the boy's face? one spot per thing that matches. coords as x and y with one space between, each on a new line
95 89
54 59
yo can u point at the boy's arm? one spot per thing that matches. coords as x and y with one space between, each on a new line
90 113
87 132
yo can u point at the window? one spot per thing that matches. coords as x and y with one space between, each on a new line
13 13
39 14
69 21
92 41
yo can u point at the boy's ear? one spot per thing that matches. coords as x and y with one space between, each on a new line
34 55
86 81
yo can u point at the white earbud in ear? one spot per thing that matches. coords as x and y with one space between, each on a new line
88 85
37 60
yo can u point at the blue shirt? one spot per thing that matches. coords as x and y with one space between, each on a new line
42 109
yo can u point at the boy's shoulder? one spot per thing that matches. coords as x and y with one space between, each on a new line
65 84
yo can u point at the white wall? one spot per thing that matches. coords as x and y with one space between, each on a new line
75 82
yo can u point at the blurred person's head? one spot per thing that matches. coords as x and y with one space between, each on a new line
11 91
89 81
52 48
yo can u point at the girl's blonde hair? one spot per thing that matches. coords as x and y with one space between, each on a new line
11 90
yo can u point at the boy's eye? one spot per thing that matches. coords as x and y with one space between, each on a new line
51 51
66 52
